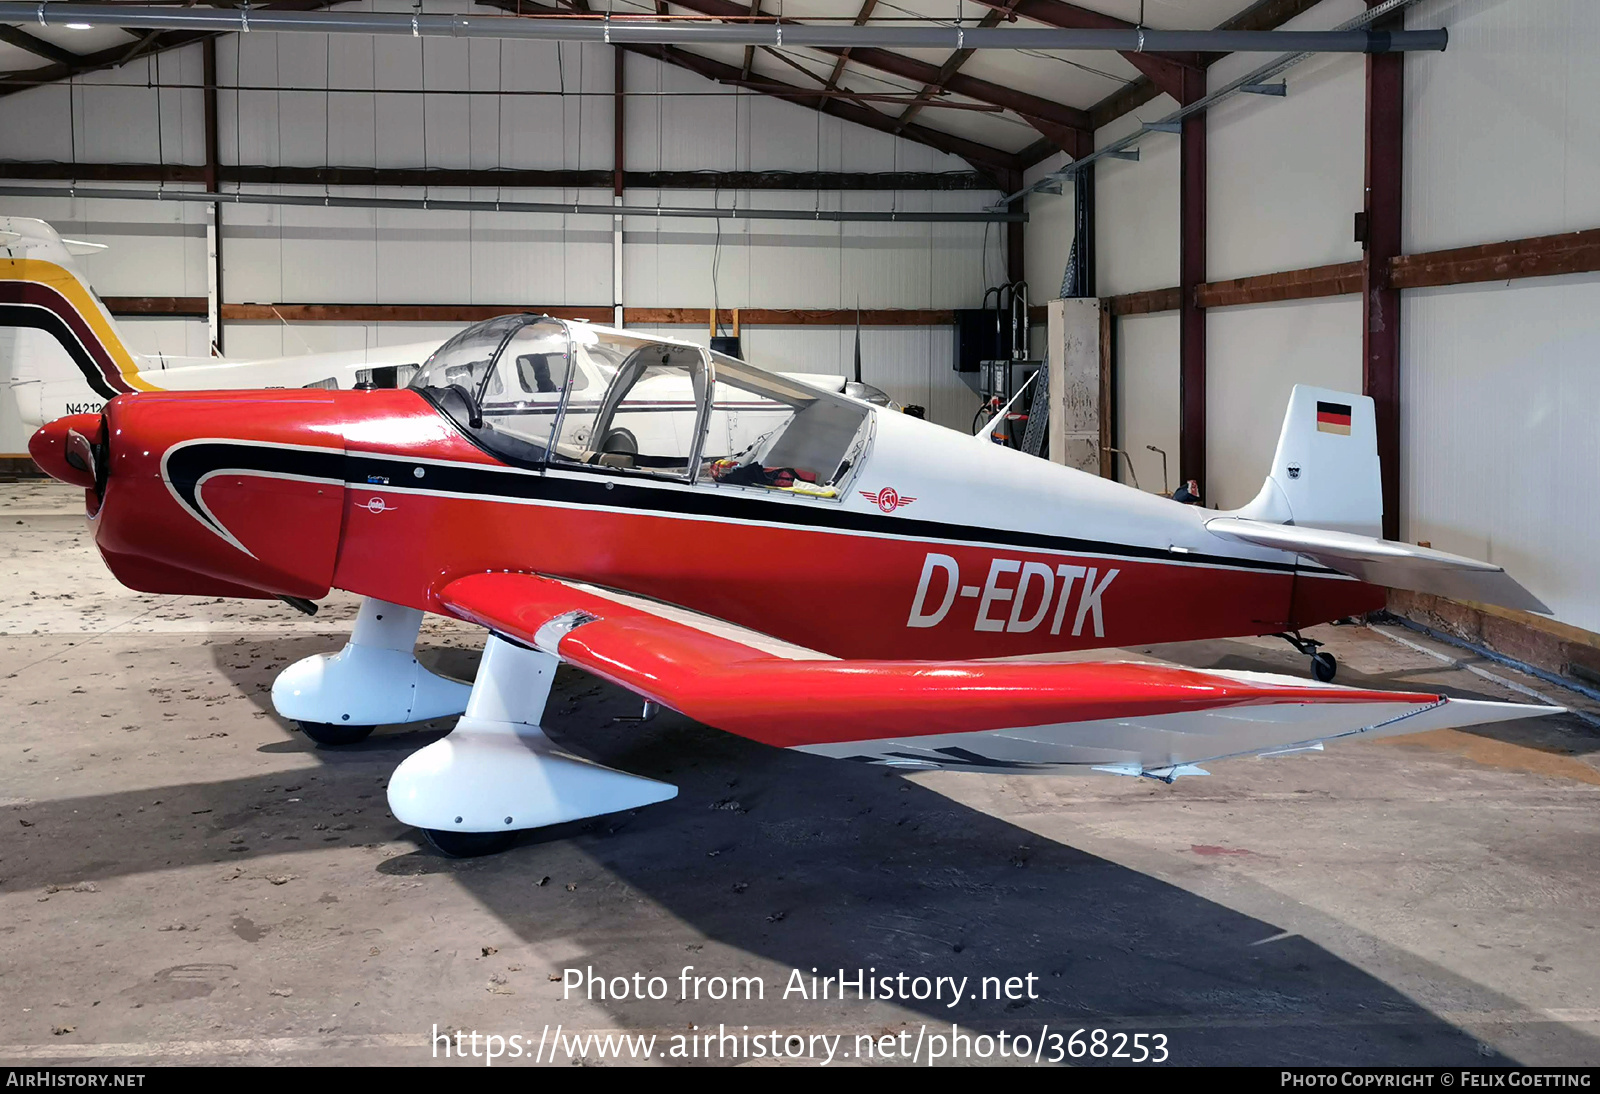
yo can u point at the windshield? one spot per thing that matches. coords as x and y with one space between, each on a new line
502 382
537 391
465 359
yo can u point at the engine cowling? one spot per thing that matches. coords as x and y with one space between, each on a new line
222 494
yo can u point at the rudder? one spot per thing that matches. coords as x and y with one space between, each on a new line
56 332
1324 473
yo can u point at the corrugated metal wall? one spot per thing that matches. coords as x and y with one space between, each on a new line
1286 178
1501 396
1285 181
1254 357
1500 432
1136 209
1501 393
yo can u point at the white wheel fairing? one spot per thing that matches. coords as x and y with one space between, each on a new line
493 776
374 680
497 771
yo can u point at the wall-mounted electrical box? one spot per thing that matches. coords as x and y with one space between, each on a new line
976 340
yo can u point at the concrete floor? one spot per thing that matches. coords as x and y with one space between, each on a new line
186 879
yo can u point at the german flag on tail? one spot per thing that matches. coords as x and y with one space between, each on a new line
1333 418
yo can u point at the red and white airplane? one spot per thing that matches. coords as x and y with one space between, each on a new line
773 559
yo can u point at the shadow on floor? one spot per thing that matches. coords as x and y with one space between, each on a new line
771 860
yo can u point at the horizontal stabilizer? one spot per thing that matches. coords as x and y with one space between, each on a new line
1386 562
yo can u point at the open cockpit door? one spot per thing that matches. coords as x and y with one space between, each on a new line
650 417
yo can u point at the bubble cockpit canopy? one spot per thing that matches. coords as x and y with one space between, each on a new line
540 392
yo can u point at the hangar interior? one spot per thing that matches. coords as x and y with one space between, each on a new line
1420 227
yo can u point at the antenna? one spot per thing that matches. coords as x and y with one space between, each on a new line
858 338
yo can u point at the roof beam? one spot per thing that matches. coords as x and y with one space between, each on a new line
981 156
115 57
1074 139
985 158
1031 107
12 82
1268 14
12 36
951 66
1263 15
1165 70
867 7
750 51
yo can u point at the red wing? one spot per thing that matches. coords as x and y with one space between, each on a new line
1041 709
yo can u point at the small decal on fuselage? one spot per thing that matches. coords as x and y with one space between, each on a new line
888 499
1035 592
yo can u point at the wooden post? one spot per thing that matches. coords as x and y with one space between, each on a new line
618 162
214 226
1016 265
1192 275
1108 397
1380 299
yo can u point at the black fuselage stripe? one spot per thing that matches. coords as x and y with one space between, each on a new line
610 490
188 464
41 318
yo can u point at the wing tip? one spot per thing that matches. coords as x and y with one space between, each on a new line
1504 711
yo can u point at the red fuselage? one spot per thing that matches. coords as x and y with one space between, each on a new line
293 492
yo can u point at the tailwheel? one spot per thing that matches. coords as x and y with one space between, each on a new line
469 844
328 734
1323 666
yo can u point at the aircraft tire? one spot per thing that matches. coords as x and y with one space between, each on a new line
1324 667
327 735
469 844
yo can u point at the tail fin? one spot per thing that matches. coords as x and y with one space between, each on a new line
56 336
1323 499
1325 471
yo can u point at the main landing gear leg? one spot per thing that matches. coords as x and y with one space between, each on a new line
373 681
497 773
1323 665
